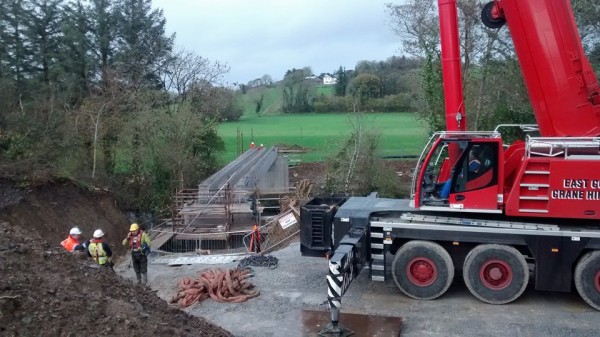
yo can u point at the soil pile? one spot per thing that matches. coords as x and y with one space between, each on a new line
52 208
46 291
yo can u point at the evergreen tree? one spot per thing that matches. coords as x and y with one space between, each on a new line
103 30
342 82
43 34
142 43
16 56
76 59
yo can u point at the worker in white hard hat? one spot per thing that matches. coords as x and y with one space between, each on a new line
72 243
139 243
99 250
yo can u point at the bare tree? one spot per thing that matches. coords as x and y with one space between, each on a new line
185 69
355 168
97 107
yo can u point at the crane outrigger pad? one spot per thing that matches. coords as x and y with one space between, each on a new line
312 323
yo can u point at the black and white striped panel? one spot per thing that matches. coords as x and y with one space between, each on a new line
341 274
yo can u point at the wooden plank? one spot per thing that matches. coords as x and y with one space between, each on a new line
161 239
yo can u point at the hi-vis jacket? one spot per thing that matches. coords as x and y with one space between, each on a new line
99 251
70 243
135 241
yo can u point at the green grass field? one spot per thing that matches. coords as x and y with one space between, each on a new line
401 133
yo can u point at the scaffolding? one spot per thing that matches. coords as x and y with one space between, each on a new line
227 204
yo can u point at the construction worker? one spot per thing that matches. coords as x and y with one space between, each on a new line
99 250
252 145
255 240
139 243
71 243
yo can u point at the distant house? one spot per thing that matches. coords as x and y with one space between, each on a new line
329 80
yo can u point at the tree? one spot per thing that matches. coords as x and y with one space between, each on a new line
296 91
185 68
416 22
43 33
211 103
355 168
179 150
17 54
587 15
143 46
342 82
87 84
365 87
104 29
266 80
76 57
259 102
96 108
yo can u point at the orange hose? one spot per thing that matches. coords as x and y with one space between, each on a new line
228 285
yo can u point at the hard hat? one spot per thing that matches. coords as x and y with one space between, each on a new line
75 231
134 227
98 233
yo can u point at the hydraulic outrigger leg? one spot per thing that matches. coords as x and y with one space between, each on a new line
342 270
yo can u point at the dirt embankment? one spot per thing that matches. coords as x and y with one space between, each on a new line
51 209
45 291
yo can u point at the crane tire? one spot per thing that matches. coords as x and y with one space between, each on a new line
422 270
495 274
587 278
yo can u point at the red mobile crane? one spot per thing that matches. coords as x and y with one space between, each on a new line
533 204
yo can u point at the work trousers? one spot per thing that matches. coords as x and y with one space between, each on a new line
140 262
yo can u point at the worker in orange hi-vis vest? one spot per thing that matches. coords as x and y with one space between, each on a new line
72 243
252 145
255 240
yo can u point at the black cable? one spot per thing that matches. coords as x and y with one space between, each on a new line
258 261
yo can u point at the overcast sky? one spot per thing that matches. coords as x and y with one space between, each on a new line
258 37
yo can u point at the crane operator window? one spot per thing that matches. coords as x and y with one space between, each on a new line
477 167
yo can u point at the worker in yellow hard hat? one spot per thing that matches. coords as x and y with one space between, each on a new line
139 243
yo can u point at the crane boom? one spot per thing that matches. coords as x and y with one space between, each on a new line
561 83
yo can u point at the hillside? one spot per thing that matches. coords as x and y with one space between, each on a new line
272 99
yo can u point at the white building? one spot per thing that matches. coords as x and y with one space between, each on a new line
327 80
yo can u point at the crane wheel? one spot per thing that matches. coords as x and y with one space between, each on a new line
495 274
587 278
489 19
423 270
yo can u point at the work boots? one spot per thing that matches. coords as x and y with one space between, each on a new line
139 277
144 278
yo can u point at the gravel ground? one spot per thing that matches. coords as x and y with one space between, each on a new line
299 283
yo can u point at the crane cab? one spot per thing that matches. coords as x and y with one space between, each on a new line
460 171
552 177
